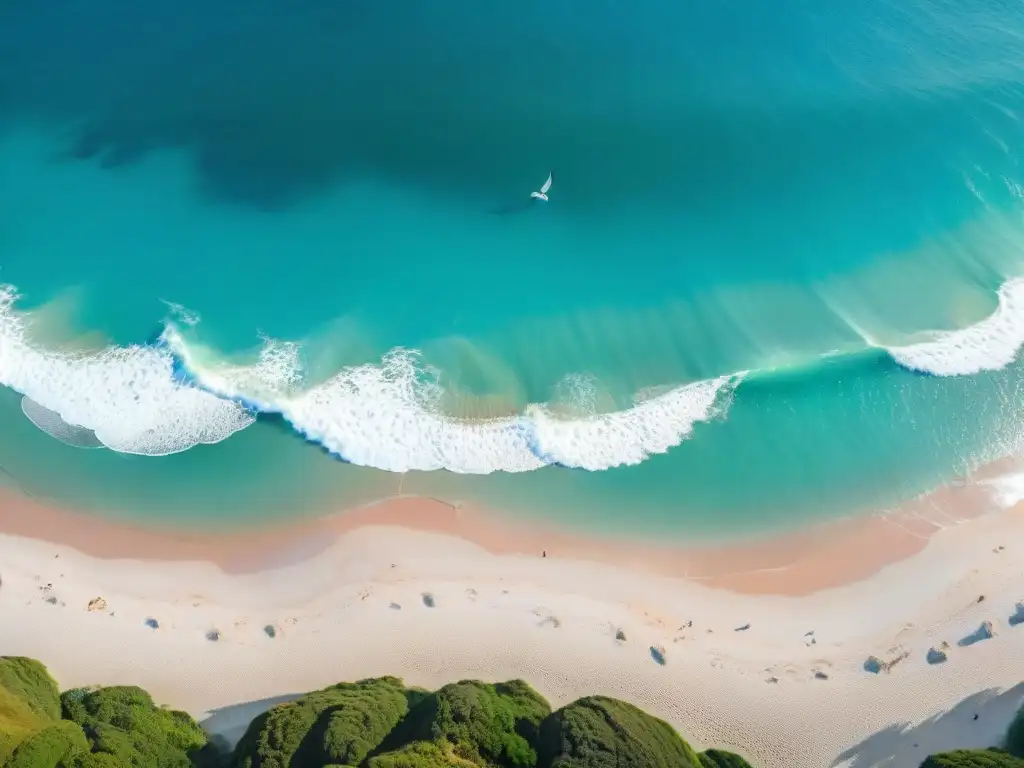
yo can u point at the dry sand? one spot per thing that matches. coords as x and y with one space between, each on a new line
764 646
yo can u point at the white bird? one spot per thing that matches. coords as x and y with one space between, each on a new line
543 193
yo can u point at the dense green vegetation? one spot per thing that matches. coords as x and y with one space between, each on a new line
376 723
597 732
117 727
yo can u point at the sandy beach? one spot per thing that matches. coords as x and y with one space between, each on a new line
767 647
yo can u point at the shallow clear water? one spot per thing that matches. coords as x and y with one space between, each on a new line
738 309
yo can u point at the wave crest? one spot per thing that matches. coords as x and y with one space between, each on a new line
127 396
989 345
387 416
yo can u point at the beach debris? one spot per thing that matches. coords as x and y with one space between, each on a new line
1018 615
819 675
981 599
744 628
937 655
395 607
975 716
270 630
97 604
984 632
772 679
213 635
428 600
620 636
874 664
152 623
658 654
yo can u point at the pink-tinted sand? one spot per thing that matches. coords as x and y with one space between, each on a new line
800 563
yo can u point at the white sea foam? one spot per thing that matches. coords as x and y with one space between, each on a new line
127 396
387 416
1007 490
988 345
52 424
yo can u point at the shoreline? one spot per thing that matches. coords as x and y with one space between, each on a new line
820 556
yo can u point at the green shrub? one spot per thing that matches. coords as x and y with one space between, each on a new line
420 754
50 747
29 701
29 681
973 758
719 758
598 732
488 725
96 760
122 721
339 725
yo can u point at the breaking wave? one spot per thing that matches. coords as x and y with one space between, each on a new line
989 345
158 399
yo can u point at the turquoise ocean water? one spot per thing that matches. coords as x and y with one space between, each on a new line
265 261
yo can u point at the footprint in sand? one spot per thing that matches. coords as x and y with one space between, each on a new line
213 635
550 621
984 632
472 595
395 607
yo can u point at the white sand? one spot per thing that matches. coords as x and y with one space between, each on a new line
335 622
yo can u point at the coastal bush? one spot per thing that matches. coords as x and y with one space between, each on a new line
598 732
420 754
29 701
487 725
50 747
973 758
719 758
96 760
339 725
123 721
29 681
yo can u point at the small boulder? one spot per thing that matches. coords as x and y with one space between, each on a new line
97 604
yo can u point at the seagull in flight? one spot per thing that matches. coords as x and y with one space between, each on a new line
543 193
